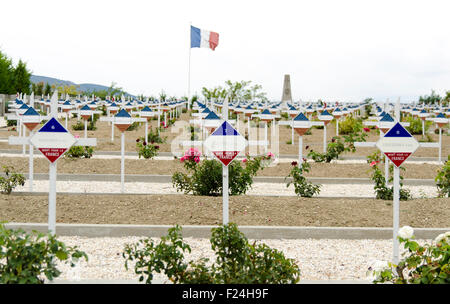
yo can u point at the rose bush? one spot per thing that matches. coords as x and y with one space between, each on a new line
302 187
381 190
443 180
204 177
427 264
237 260
146 150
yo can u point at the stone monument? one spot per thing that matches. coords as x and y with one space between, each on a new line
287 94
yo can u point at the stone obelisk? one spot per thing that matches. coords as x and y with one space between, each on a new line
287 94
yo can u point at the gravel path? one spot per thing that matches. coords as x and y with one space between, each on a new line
279 189
318 259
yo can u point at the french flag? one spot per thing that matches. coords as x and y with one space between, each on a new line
203 39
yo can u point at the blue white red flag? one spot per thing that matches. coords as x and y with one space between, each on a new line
204 39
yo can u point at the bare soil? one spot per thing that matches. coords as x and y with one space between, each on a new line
168 167
244 210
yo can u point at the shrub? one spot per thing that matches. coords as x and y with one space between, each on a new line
381 190
334 149
155 137
79 126
349 125
427 264
443 180
26 257
427 138
302 187
237 261
337 146
134 126
145 149
10 123
11 181
79 152
415 125
205 177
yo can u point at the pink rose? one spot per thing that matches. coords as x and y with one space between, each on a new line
373 163
367 129
270 154
244 160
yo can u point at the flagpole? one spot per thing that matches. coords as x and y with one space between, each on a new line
189 68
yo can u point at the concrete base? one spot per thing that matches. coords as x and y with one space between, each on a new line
251 232
152 178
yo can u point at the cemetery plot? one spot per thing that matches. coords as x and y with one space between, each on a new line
244 210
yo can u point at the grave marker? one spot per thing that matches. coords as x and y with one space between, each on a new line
225 143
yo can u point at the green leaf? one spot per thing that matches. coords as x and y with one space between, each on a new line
61 255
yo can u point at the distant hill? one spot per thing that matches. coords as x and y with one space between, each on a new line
82 87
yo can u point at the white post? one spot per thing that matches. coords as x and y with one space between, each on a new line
67 114
52 199
386 170
292 132
159 117
85 128
396 212
112 129
324 138
225 194
23 134
423 128
265 136
440 144
146 129
189 71
337 126
30 165
122 164
300 150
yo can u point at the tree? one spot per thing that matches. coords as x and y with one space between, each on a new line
216 93
236 90
114 90
39 89
257 93
162 96
6 75
429 100
48 89
446 100
21 78
71 90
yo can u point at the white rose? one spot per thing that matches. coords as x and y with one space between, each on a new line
440 237
380 265
406 232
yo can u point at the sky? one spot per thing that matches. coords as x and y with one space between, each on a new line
333 50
